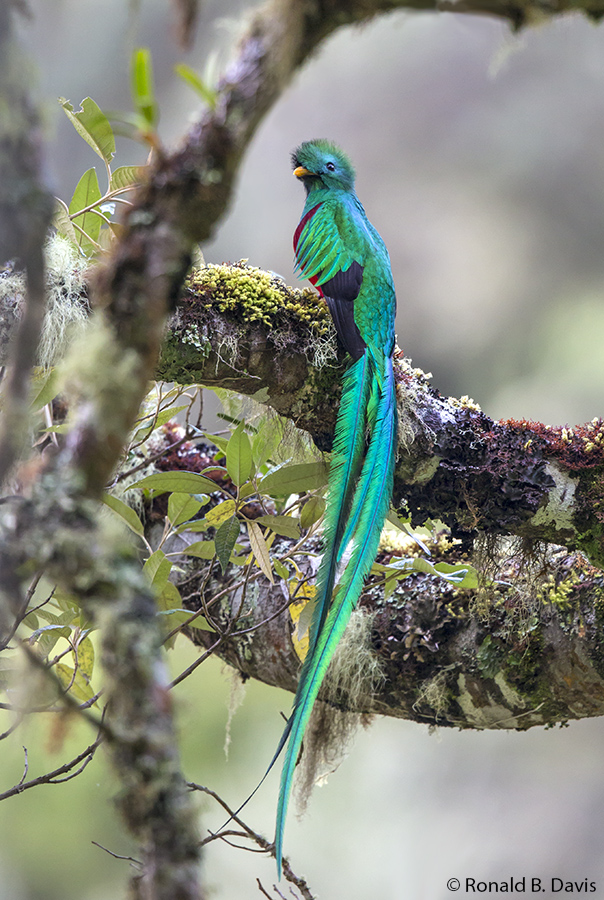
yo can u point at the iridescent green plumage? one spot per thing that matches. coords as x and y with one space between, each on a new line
341 253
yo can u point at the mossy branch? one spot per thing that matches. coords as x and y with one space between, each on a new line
511 655
240 328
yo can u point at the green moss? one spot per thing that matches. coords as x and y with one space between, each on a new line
319 384
179 359
591 543
489 657
560 594
589 518
258 296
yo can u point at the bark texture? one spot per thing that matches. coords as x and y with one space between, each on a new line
515 655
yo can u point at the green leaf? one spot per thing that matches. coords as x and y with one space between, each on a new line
312 511
125 512
157 569
404 525
92 124
191 77
180 616
157 421
218 440
281 569
390 586
464 576
262 395
169 596
86 193
287 526
45 388
31 620
260 549
180 482
218 470
48 636
64 618
62 222
247 490
59 630
77 683
266 441
86 657
225 539
67 602
182 507
197 524
239 456
143 91
127 176
294 479
201 549
221 513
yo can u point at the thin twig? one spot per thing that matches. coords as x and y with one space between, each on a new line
25 768
22 612
151 459
185 674
261 889
10 730
258 839
86 704
131 859
57 775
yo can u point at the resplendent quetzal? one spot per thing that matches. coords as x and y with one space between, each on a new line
340 252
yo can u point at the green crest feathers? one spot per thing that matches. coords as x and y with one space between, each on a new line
318 155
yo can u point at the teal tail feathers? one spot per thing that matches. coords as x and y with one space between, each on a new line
345 469
356 514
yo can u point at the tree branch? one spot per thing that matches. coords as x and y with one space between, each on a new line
510 655
59 775
238 328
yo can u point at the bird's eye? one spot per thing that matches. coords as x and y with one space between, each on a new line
330 166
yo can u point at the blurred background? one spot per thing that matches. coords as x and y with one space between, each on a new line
480 159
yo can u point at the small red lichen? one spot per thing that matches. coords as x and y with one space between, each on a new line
580 447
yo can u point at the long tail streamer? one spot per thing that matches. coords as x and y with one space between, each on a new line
358 520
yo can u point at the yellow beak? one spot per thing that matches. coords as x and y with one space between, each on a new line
300 172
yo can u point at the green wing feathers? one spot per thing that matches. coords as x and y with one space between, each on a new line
320 248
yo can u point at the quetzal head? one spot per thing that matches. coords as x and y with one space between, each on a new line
321 164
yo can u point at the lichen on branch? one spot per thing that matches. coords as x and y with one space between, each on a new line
521 650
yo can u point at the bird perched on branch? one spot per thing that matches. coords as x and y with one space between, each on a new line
340 252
